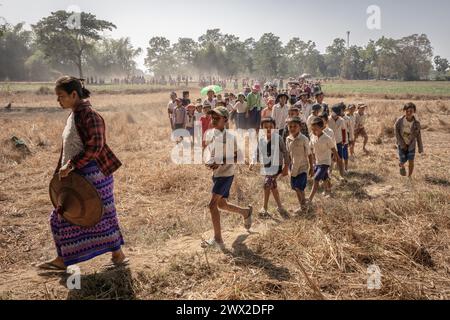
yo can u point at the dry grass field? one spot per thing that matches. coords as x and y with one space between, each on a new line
377 217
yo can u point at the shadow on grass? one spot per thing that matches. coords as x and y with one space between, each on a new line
437 181
365 177
109 284
244 256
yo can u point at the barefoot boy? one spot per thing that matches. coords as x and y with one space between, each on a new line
223 154
360 122
301 159
323 147
407 132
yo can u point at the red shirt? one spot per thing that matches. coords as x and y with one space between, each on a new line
91 129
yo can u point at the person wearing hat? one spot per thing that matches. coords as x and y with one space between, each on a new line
170 107
280 111
319 95
299 152
272 154
304 104
223 153
211 99
241 111
337 124
85 156
254 107
323 148
360 122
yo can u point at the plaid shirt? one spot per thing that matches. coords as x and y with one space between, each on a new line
91 129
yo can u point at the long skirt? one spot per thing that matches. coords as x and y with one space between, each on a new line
241 121
254 120
76 244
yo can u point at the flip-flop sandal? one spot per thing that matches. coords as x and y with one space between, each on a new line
49 266
213 244
248 220
123 263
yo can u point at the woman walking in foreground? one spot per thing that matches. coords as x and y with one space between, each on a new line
84 151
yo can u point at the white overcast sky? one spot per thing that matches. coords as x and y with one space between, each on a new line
318 20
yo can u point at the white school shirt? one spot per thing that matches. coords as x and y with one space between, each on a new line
330 133
280 114
240 107
347 128
321 147
407 128
298 149
337 126
219 142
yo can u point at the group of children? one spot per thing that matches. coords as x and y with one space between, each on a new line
301 140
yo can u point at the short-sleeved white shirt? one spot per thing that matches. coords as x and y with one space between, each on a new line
321 147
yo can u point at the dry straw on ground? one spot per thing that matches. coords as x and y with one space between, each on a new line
376 218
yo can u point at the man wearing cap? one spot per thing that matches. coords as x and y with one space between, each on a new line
280 111
223 154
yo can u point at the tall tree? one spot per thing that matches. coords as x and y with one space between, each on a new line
160 56
415 54
62 40
15 48
267 55
442 65
335 54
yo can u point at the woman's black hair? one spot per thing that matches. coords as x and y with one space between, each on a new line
71 84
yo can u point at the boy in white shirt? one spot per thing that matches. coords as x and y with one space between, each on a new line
224 168
323 147
316 108
299 152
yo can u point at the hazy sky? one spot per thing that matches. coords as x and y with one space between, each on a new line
318 20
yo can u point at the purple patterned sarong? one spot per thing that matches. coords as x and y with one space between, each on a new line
76 244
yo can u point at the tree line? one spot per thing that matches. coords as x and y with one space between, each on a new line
54 47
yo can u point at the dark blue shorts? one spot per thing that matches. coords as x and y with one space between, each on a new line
342 150
299 182
321 172
222 186
406 156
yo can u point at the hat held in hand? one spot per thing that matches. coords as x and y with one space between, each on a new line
76 200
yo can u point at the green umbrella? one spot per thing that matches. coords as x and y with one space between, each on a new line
216 89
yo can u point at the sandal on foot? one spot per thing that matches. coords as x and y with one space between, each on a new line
51 266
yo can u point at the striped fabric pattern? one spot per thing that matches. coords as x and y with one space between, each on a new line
76 244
